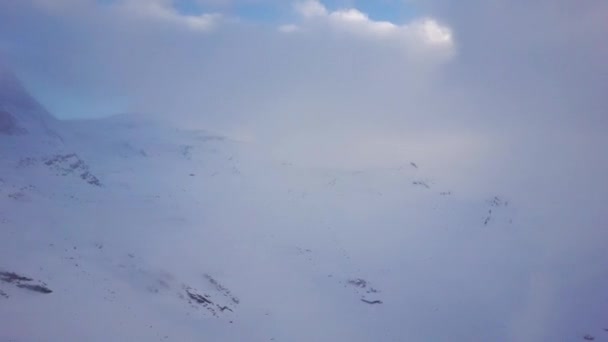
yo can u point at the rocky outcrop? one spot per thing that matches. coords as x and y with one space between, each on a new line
66 164
8 124
23 282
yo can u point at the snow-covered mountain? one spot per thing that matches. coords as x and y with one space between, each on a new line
26 127
128 229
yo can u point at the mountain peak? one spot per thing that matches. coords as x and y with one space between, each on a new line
20 113
13 93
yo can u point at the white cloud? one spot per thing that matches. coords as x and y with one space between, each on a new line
311 8
357 20
289 28
343 71
163 10
421 32
433 32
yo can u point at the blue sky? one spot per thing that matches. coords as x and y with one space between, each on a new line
274 11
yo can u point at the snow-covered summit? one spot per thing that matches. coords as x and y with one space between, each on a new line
20 113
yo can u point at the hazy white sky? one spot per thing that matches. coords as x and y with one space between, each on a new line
443 80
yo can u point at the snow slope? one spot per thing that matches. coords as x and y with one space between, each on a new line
145 232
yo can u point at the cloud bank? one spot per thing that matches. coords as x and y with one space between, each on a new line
457 85
425 31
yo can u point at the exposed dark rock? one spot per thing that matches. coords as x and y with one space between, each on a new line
90 178
588 338
198 298
11 277
222 308
8 124
17 196
14 95
495 202
35 288
19 110
213 304
71 163
22 282
363 287
186 151
202 300
498 202
361 283
223 290
421 183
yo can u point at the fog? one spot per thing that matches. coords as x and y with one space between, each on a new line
505 77
487 98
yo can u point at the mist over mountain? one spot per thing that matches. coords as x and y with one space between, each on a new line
307 171
140 231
